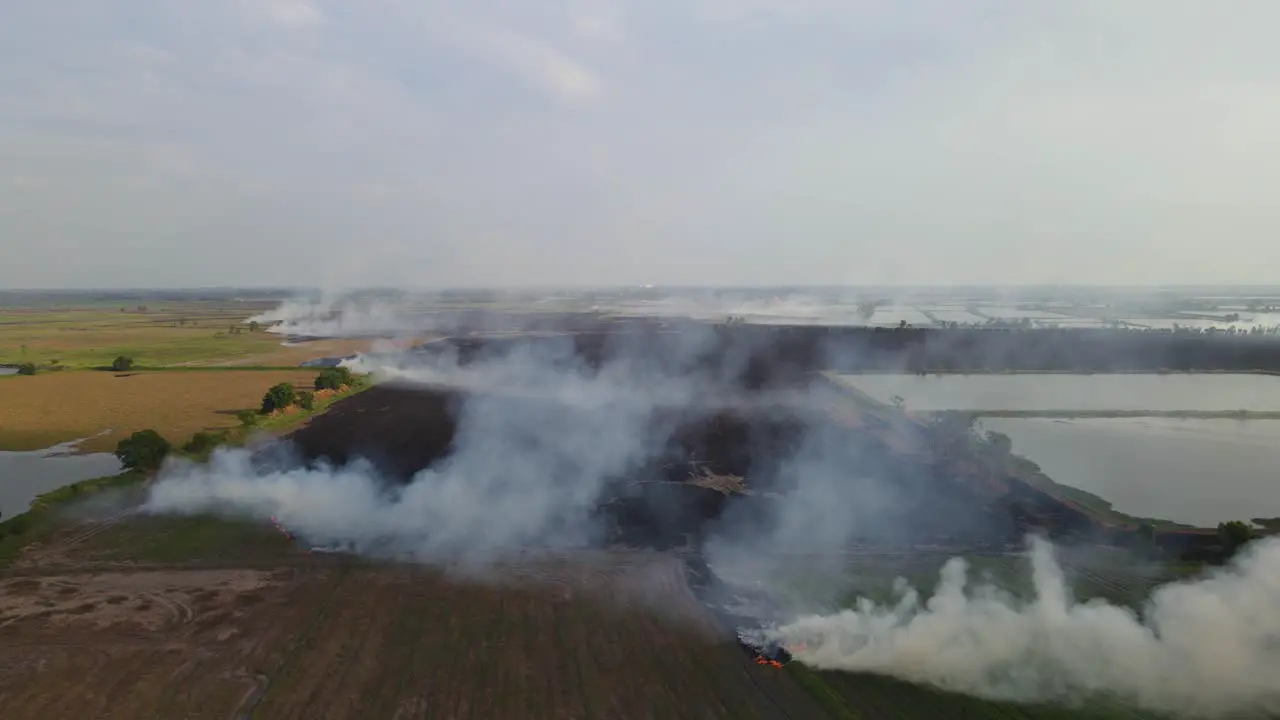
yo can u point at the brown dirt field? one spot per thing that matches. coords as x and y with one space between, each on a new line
602 635
49 408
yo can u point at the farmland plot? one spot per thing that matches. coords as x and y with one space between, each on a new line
264 631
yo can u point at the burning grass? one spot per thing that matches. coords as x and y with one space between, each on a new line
49 408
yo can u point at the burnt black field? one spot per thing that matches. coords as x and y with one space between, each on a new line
772 353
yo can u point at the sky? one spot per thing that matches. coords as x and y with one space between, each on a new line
429 144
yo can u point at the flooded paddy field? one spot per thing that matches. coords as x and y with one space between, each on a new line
26 475
1204 392
1193 470
1189 470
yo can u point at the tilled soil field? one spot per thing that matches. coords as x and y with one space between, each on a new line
600 635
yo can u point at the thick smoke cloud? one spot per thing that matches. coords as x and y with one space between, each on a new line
540 437
1207 647
531 456
334 316
526 474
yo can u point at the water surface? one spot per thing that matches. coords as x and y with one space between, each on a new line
1188 391
25 475
1195 471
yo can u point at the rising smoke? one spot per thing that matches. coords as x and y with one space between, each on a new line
531 456
338 316
523 474
1207 647
347 315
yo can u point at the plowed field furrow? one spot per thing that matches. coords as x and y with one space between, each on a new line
281 698
603 637
495 644
568 689
362 670
185 686
345 635
387 679
584 644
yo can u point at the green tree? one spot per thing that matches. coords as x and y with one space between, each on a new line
1234 535
334 378
247 418
200 443
15 526
27 369
1147 532
279 397
122 363
143 450
253 326
307 400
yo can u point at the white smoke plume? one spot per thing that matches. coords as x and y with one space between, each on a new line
333 316
534 448
524 473
1208 647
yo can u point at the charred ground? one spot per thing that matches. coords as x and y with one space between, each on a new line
762 408
787 351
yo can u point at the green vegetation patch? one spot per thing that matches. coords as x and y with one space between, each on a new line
186 539
42 521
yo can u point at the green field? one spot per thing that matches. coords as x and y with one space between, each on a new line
194 365
161 335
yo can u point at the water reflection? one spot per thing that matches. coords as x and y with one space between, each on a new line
25 475
1206 392
1193 471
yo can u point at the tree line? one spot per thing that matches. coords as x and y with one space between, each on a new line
147 449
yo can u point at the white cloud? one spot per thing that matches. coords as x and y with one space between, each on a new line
293 13
722 141
543 65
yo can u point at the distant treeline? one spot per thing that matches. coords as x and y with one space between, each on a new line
1084 350
764 354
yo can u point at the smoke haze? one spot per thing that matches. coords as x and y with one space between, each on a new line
338 315
1205 647
524 473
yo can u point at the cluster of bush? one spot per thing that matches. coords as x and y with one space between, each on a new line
143 450
28 368
285 395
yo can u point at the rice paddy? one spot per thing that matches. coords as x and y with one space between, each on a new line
103 407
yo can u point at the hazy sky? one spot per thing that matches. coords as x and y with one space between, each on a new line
421 143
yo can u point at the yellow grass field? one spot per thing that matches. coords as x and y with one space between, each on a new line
48 408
